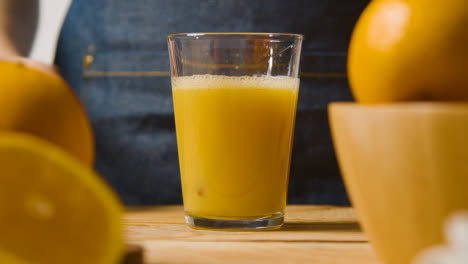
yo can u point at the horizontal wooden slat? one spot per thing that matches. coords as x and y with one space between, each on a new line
259 253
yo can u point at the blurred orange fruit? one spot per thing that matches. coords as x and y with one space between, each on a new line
53 209
410 50
42 104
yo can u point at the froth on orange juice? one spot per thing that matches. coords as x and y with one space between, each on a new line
234 137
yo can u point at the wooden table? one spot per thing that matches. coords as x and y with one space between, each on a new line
311 234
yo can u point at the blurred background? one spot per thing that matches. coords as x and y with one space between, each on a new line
52 14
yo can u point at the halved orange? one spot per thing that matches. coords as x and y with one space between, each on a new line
53 209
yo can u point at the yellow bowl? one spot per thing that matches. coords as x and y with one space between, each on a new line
405 167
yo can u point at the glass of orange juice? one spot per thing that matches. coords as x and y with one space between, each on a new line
235 98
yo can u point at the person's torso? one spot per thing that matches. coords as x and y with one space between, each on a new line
114 54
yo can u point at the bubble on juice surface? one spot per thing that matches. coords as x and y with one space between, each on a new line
234 82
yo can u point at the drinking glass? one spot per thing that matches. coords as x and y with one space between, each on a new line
235 98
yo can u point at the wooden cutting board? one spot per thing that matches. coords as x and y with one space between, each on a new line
311 234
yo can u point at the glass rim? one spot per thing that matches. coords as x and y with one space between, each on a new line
206 35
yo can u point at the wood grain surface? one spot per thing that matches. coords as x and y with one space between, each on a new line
311 234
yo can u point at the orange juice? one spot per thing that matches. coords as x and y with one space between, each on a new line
234 137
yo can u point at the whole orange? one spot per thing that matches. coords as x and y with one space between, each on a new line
410 50
44 105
